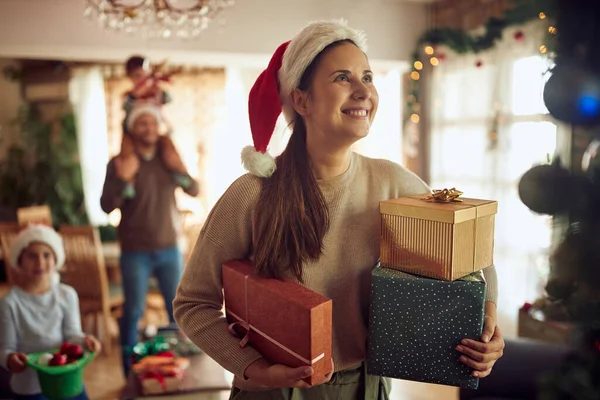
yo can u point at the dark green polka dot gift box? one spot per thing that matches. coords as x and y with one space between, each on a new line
417 322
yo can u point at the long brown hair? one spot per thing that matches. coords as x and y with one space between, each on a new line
291 215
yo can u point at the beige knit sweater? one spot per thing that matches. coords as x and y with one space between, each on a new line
351 249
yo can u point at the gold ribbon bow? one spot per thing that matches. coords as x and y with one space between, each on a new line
445 195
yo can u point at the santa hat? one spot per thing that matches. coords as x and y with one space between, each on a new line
271 93
142 109
37 234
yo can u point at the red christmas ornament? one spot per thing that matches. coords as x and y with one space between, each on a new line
526 307
519 36
479 64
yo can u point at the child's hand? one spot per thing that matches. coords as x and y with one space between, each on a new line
92 344
16 362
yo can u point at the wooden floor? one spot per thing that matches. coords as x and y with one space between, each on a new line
104 381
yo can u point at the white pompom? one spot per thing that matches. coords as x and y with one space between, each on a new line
257 163
45 358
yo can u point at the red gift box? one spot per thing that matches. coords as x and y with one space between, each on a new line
284 321
160 373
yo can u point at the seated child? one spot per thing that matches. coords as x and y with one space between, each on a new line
146 89
39 313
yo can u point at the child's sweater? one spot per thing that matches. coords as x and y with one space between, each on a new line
32 323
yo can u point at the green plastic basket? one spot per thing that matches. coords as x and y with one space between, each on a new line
63 381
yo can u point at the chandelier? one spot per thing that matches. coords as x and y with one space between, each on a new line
156 18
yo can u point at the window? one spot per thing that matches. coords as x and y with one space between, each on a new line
489 126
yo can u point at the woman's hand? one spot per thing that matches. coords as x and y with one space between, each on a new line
280 376
16 362
482 355
92 344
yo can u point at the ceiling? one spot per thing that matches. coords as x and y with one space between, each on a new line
412 1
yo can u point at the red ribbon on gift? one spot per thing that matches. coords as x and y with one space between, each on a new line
154 372
244 323
155 375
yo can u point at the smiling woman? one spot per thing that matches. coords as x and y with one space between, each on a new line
310 215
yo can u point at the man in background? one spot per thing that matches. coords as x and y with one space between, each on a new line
149 220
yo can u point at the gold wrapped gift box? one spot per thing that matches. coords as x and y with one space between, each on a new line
438 236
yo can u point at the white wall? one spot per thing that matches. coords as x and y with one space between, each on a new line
56 29
10 101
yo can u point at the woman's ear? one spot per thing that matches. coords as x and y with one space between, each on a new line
300 101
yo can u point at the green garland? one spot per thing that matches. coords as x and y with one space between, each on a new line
462 42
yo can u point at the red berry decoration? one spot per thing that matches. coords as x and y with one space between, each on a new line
479 64
57 360
526 307
519 36
75 352
441 57
71 351
64 349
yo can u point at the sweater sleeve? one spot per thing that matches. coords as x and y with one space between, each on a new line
198 305
8 333
113 192
71 326
491 279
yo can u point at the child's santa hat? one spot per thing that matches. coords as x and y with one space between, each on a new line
37 234
271 93
143 109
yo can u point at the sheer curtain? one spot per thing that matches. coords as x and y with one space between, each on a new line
86 91
198 114
489 126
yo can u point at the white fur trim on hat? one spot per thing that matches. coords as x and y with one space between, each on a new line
303 49
37 234
140 110
257 163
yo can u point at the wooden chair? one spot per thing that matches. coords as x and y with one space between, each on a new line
8 233
85 271
34 215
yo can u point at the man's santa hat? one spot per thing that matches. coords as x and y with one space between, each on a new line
271 93
144 108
